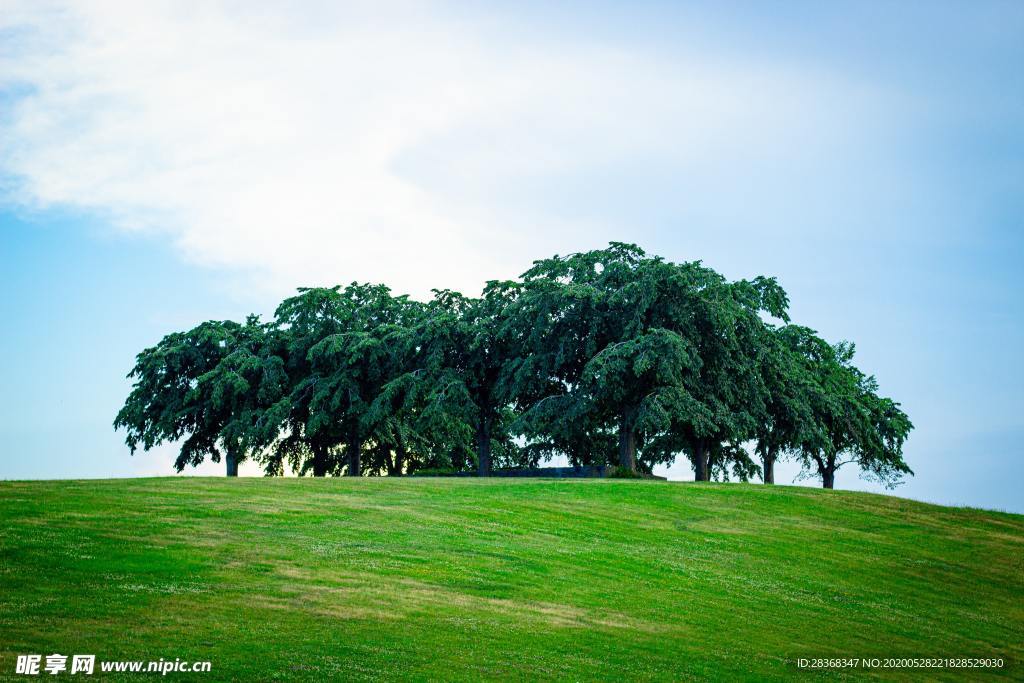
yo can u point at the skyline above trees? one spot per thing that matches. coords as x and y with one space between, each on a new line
608 357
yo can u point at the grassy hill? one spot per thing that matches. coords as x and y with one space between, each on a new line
502 579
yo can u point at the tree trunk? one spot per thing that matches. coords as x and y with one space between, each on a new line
701 455
768 468
483 451
627 443
319 461
827 469
232 464
828 478
355 456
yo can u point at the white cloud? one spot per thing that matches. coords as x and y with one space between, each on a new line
328 145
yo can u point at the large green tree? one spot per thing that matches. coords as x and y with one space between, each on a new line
730 395
466 351
207 388
305 442
341 348
349 368
789 383
850 422
603 353
413 421
606 356
665 354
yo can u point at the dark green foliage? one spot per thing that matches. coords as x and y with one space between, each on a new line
607 357
789 381
466 353
849 422
349 369
664 355
604 353
207 388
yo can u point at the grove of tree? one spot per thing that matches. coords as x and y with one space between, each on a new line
609 357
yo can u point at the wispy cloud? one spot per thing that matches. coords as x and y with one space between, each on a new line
371 142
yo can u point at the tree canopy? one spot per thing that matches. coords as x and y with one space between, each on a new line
607 357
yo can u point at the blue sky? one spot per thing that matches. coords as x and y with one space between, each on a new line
168 164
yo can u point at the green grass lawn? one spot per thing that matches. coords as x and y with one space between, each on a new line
502 579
